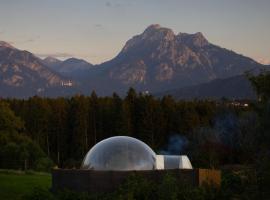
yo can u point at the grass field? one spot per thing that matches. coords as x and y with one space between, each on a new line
14 184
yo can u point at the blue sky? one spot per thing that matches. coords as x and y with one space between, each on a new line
96 30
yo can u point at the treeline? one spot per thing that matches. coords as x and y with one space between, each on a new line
66 128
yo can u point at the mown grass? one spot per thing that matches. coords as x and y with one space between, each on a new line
15 184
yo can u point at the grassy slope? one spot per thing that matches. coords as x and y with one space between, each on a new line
15 184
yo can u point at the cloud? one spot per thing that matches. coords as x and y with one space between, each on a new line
55 55
98 26
29 40
32 39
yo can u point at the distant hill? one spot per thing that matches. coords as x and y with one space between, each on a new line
52 62
237 87
73 68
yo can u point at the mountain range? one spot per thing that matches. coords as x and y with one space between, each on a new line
157 60
22 74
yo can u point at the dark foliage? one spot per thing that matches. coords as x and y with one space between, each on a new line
17 150
138 188
66 128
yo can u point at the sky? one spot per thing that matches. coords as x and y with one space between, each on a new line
97 30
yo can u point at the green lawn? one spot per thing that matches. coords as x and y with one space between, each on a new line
14 184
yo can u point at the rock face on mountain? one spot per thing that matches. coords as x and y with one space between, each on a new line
158 60
22 74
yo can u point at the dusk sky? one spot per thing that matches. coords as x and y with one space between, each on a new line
96 30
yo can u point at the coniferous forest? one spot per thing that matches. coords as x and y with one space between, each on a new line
40 133
66 128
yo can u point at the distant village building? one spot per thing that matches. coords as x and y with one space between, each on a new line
239 104
39 90
67 83
146 92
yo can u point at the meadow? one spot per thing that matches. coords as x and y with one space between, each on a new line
15 184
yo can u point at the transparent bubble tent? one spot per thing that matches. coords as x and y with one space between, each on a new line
120 153
123 153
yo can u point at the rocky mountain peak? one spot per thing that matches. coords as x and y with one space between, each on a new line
51 62
51 59
153 26
199 39
76 61
161 38
6 45
156 32
158 59
152 34
196 39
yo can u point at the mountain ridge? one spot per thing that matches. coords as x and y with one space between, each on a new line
157 60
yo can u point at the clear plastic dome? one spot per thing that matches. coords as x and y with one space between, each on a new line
120 153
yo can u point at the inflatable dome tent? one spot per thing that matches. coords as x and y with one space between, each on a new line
123 153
